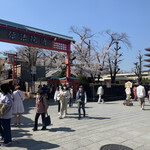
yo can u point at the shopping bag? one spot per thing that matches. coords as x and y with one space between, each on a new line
3 108
47 120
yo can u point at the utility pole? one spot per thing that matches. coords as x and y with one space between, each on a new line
138 67
89 47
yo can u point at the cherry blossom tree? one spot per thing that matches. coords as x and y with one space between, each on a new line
86 62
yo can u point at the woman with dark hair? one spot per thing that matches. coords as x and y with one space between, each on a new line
18 108
41 109
6 118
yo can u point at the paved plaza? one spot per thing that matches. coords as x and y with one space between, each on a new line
108 123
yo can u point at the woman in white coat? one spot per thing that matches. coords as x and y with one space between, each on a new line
63 96
18 108
100 92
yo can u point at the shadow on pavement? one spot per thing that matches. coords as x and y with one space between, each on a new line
99 118
31 144
65 129
87 117
146 109
20 133
110 103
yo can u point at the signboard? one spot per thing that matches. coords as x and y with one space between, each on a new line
23 37
128 84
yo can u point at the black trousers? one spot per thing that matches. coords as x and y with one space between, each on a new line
36 119
58 106
81 104
6 130
1 128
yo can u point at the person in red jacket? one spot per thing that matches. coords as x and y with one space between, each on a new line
41 109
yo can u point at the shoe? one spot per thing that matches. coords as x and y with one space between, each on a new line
15 124
79 118
60 117
34 129
58 114
44 128
1 138
64 116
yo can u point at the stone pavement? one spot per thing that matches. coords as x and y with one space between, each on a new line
108 123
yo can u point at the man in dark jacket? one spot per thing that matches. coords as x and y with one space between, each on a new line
82 100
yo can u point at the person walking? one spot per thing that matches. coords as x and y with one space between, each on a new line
100 92
5 120
18 107
57 98
141 95
64 96
82 100
134 93
41 109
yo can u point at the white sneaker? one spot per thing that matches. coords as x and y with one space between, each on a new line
64 116
58 114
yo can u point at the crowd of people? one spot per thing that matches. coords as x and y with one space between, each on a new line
11 105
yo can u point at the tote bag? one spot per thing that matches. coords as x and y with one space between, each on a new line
47 120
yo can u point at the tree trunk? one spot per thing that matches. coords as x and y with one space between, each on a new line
113 79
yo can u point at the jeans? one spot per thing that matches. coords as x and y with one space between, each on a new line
36 120
81 104
6 130
70 102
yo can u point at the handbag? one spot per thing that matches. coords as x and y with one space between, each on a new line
3 108
47 120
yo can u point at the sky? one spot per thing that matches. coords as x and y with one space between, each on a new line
130 16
